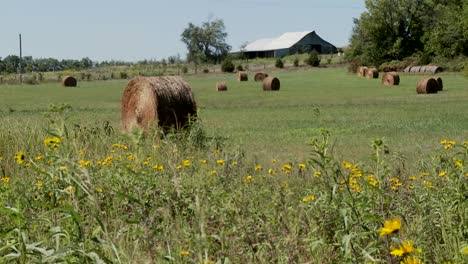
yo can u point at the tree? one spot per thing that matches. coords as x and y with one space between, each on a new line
206 43
313 59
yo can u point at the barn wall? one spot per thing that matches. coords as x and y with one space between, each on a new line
310 42
281 53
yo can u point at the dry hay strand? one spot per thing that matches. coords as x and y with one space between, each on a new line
433 69
260 76
415 69
221 86
242 76
427 86
166 101
391 78
372 73
271 84
407 69
362 71
69 81
440 84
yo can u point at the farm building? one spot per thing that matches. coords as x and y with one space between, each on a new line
287 44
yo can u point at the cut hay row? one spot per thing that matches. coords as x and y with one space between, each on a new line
362 71
69 81
166 101
429 85
372 73
390 78
423 69
271 84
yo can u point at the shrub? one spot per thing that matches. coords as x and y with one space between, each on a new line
227 65
206 70
313 59
123 75
296 62
279 63
240 68
184 70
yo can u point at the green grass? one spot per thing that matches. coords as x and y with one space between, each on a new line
219 197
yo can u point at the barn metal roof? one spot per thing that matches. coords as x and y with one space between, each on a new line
284 41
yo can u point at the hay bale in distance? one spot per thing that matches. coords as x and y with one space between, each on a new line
433 69
271 84
415 69
242 76
260 76
440 83
372 73
391 78
221 86
407 69
427 86
362 71
69 81
166 101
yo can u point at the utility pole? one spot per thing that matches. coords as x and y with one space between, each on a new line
21 58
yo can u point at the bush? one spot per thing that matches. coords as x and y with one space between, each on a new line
184 70
240 68
279 63
227 65
206 70
296 62
354 65
313 59
123 75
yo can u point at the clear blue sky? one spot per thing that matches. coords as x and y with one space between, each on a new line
133 30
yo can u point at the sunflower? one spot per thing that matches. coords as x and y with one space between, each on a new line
19 157
390 226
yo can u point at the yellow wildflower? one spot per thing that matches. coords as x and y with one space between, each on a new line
19 157
248 179
412 178
459 164
213 172
203 161
411 260
317 173
184 253
158 167
63 168
466 174
27 165
70 190
404 248
39 158
220 162
186 163
302 166
347 165
428 184
308 198
81 152
258 167
52 142
273 161
234 163
120 146
130 157
99 190
6 179
271 171
179 167
464 250
390 226
85 163
448 144
443 174
216 151
39 183
286 168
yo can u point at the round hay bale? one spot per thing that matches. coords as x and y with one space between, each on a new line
69 81
415 69
260 76
221 86
242 76
423 69
433 69
372 73
271 84
391 78
407 69
362 71
166 101
440 83
427 86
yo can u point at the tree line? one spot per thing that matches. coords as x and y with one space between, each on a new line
397 29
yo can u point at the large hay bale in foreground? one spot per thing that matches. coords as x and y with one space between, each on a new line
440 84
362 71
427 86
166 101
271 84
260 76
242 76
372 73
221 86
69 81
391 78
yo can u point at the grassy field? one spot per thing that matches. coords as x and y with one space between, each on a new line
330 169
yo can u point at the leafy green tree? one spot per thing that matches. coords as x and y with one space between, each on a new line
206 43
279 63
313 59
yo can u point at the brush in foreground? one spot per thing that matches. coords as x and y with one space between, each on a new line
69 81
166 101
221 86
271 84
391 78
242 76
372 73
260 76
427 86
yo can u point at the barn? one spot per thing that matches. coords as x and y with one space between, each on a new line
287 44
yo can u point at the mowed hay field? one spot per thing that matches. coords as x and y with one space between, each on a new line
332 168
276 124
